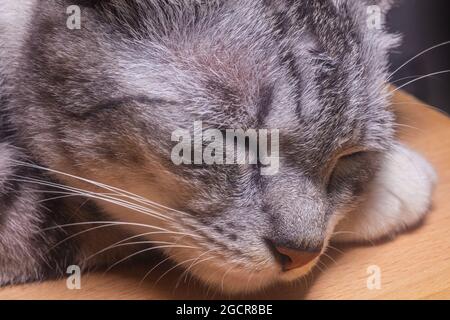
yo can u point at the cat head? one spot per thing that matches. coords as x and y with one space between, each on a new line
103 102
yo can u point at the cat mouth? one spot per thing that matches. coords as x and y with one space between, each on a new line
295 274
247 278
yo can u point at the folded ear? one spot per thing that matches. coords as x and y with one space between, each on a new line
149 17
125 11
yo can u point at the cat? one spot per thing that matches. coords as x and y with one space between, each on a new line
87 114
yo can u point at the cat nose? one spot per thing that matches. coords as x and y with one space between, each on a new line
295 258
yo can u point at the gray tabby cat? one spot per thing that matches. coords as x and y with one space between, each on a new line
86 118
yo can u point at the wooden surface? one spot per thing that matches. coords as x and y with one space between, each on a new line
416 265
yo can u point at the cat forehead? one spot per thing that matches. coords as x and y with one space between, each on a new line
312 115
305 93
247 73
237 84
233 59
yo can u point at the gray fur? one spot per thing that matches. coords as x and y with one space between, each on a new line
107 97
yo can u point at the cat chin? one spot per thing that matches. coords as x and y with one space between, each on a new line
242 280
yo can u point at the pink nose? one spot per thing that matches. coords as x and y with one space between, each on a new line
294 259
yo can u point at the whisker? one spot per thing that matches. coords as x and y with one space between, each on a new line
334 248
194 264
417 56
344 232
224 275
400 125
420 78
174 267
152 269
58 198
404 78
329 257
146 250
186 272
98 196
105 186
254 270
134 237
78 234
319 264
103 222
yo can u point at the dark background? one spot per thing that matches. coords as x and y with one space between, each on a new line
423 24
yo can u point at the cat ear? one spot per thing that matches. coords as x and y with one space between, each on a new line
132 16
149 17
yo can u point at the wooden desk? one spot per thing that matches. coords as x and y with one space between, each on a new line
416 265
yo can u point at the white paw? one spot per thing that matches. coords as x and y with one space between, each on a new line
399 198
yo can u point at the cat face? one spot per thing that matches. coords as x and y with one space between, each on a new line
102 103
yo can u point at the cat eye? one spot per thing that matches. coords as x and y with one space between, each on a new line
352 154
343 159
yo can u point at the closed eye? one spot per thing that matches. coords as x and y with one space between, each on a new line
347 162
110 105
352 154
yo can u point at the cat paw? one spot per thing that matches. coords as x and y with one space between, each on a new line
399 199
